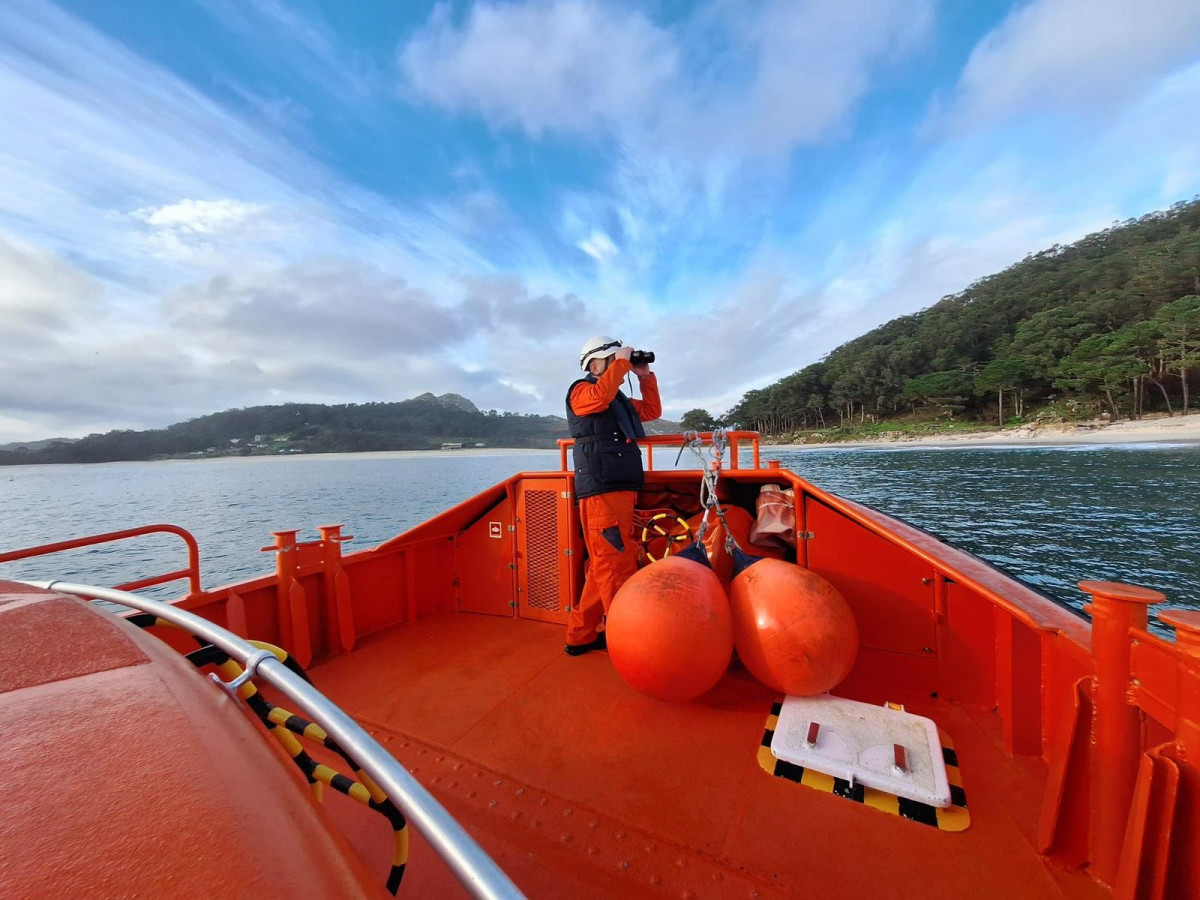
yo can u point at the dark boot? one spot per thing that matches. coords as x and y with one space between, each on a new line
600 643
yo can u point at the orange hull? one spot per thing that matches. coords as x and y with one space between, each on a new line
1075 747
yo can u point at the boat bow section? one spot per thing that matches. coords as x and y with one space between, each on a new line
129 776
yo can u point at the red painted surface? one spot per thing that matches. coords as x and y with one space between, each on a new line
889 591
547 576
191 572
968 651
672 789
484 580
1080 757
46 638
131 776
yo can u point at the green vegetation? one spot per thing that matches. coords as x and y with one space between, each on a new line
422 423
1110 324
698 420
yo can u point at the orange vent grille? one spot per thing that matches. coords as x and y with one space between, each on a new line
541 547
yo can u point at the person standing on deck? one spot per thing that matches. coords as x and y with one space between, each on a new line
608 473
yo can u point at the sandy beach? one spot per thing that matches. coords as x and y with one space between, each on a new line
1175 430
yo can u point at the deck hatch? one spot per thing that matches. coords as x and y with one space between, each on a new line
954 818
879 746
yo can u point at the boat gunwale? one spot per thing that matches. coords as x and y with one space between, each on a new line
1022 602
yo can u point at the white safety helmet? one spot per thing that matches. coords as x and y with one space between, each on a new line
597 347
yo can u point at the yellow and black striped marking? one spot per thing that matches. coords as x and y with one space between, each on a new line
953 818
284 725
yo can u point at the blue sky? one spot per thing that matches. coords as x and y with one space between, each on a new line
208 204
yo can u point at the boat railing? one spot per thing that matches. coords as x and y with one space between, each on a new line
473 868
191 572
735 439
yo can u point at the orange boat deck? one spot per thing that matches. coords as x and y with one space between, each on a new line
1076 744
581 787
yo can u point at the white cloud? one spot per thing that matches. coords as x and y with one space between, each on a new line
748 80
330 309
210 234
1075 56
199 216
799 67
134 193
39 293
566 66
319 331
98 137
599 246
697 118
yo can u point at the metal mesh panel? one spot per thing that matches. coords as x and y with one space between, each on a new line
541 548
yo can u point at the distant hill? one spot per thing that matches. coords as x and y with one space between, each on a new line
1110 323
425 422
455 400
29 446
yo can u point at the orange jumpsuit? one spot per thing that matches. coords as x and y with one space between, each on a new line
607 518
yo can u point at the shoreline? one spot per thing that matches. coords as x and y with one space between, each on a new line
262 457
1177 431
1159 430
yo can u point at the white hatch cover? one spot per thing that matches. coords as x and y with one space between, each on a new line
877 746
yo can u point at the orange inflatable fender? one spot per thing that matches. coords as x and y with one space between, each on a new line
669 630
792 628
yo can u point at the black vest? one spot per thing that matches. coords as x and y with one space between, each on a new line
607 457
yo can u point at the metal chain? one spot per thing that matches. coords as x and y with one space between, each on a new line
710 473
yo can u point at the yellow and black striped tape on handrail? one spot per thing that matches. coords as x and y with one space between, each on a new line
283 724
953 818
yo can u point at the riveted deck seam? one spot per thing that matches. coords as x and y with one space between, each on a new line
653 863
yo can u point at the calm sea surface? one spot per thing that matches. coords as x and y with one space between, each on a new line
1051 516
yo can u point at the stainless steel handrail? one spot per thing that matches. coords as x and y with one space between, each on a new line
465 858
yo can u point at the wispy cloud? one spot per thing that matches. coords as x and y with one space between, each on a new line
700 181
750 81
1071 57
130 190
302 40
698 118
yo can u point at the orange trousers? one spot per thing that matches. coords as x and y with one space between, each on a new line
607 521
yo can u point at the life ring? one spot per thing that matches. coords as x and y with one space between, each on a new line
673 528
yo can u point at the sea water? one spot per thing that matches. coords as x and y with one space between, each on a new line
1051 516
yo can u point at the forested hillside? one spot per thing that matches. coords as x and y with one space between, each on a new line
422 423
1108 324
